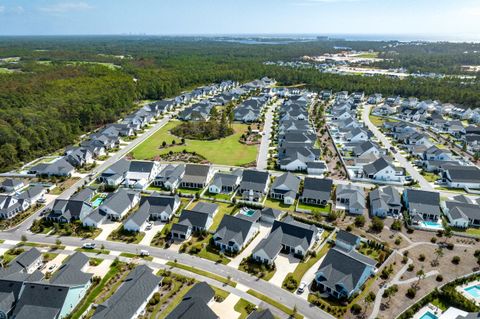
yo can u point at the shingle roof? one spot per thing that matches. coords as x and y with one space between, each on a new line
347 237
254 180
463 174
70 273
287 180
317 188
261 314
233 228
194 304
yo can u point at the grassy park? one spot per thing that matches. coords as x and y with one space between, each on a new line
218 151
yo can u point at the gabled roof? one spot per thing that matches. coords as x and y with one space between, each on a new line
423 201
261 314
70 208
317 188
376 166
205 207
194 304
347 237
196 173
233 228
130 296
463 174
254 180
384 198
287 180
70 273
119 200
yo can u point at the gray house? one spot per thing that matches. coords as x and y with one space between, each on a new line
225 182
198 219
254 185
60 167
170 177
285 187
385 201
352 198
67 210
234 233
422 205
316 191
196 176
195 304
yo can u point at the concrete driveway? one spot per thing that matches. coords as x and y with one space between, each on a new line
285 264
56 262
149 234
100 270
225 309
309 276
107 227
263 232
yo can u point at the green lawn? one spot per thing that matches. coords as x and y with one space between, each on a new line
473 231
221 293
368 55
216 151
314 208
223 209
218 196
430 177
241 306
130 255
376 120
256 269
175 301
203 249
203 273
277 204
275 303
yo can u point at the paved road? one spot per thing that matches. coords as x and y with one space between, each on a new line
424 184
266 288
262 159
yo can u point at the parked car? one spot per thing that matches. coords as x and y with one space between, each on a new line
52 267
89 245
149 226
301 287
144 253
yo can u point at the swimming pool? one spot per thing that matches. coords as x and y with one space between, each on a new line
249 212
430 224
428 315
473 291
97 202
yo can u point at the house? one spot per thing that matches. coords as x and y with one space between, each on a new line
60 167
342 274
462 215
170 177
459 176
68 210
131 297
196 176
117 205
346 240
197 219
32 195
10 206
422 205
94 219
269 215
261 314
385 201
114 175
285 188
234 233
11 185
352 198
254 185
140 174
79 156
356 135
195 304
287 236
316 168
225 183
316 191
381 170
153 207
367 147
54 298
434 153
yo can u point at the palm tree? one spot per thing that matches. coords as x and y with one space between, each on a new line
438 255
420 275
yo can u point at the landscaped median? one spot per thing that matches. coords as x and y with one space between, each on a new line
291 312
210 275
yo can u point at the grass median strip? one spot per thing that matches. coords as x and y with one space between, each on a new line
203 273
276 304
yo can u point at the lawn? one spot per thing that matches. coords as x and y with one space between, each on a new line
220 293
218 151
120 234
277 204
218 196
94 251
203 273
376 120
133 256
243 307
430 177
314 208
257 269
473 231
223 209
303 267
276 304
368 55
203 249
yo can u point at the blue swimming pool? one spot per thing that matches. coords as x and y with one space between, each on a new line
473 291
97 202
249 212
428 315
430 224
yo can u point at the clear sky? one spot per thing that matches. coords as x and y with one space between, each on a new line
450 19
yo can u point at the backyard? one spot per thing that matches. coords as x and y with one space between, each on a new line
215 151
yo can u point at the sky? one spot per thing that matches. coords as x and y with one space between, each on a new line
439 19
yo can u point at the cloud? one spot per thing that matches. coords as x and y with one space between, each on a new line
63 7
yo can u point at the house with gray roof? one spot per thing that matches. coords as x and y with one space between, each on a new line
153 207
60 167
131 297
196 176
67 210
460 176
289 237
234 233
385 201
342 274
254 185
285 188
352 198
140 174
195 304
346 240
117 205
462 214
11 206
269 215
10 185
225 183
383 170
422 205
316 191
261 314
94 219
32 194
197 219
170 177
114 175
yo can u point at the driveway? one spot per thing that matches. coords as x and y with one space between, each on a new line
107 227
424 184
263 232
309 276
284 264
56 262
149 234
225 309
100 270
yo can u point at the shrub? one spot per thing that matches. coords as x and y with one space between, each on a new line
396 225
290 283
410 267
360 221
356 308
456 260
377 224
433 240
411 292
439 278
421 257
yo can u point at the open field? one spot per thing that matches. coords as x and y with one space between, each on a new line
219 151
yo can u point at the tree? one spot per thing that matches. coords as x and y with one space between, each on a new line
360 221
164 144
23 238
420 275
438 255
377 224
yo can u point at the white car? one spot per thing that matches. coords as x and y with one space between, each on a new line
301 287
149 226
52 267
144 253
89 245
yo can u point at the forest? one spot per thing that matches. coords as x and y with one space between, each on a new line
63 87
